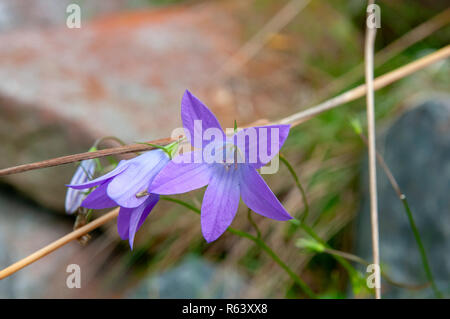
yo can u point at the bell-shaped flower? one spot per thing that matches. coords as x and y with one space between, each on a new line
228 165
126 186
74 197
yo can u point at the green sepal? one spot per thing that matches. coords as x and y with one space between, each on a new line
169 149
97 161
310 244
356 124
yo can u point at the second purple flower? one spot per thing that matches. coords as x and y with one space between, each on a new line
126 186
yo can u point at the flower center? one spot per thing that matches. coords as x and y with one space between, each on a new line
232 156
142 194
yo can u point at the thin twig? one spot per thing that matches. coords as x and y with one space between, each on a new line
58 244
370 101
83 156
294 119
386 169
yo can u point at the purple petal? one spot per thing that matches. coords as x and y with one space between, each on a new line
258 196
139 214
177 177
119 169
123 222
136 178
84 173
192 109
99 199
257 144
220 202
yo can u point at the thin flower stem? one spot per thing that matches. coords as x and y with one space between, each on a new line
299 186
301 223
342 258
386 169
337 253
58 244
258 242
277 259
106 138
253 223
294 119
422 251
412 223
344 263
347 256
370 103
112 215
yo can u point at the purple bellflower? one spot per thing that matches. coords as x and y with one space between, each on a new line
74 197
228 165
126 186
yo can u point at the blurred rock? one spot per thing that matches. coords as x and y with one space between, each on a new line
28 135
417 150
25 228
194 277
16 14
123 73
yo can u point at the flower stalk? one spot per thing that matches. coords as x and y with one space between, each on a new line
299 186
370 105
58 243
257 241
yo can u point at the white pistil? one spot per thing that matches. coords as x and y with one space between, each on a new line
231 149
142 194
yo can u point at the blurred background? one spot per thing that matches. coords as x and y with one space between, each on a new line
123 73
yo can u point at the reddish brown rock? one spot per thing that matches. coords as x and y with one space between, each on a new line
124 74
120 75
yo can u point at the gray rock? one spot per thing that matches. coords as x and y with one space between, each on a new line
25 228
16 14
417 150
192 278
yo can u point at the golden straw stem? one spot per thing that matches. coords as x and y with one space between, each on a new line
370 104
360 91
58 243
